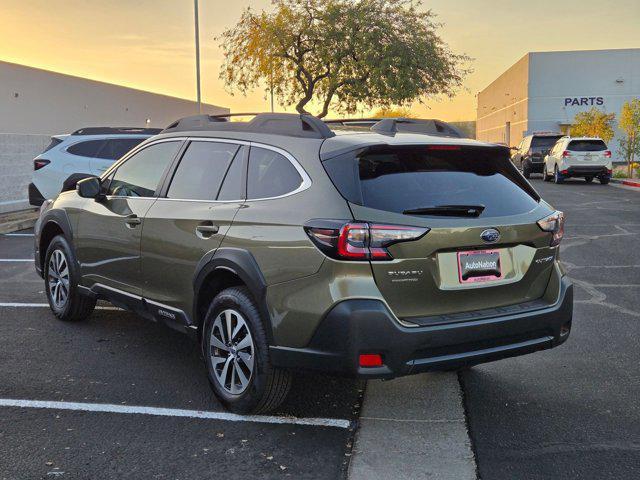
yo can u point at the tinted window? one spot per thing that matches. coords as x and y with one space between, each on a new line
538 144
86 149
201 170
117 147
140 174
587 146
270 174
396 179
232 186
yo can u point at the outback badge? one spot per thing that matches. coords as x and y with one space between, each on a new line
490 235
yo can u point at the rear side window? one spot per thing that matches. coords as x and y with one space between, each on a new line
54 141
397 179
201 170
270 174
140 174
587 146
117 147
86 149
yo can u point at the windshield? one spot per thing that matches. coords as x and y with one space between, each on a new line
539 144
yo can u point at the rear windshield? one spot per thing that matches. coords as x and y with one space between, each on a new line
397 179
543 143
587 146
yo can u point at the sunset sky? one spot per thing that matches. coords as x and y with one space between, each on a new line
148 44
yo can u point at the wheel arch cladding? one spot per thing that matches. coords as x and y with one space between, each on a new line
226 268
55 223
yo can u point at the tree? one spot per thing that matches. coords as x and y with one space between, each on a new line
341 54
630 125
593 123
391 112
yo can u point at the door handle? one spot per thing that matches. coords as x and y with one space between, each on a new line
207 230
132 221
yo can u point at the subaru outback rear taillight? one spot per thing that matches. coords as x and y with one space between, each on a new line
38 163
554 223
359 240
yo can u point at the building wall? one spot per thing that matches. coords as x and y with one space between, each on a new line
34 101
35 104
16 166
544 91
502 106
561 84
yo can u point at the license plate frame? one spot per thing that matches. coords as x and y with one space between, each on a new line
487 274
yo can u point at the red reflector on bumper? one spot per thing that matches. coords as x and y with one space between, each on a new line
371 360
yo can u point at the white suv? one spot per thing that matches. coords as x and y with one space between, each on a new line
586 157
85 152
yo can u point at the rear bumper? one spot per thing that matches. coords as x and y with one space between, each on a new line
354 327
535 166
587 171
35 196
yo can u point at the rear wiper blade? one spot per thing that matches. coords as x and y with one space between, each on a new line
448 210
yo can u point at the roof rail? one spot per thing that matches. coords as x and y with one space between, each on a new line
391 126
289 124
117 130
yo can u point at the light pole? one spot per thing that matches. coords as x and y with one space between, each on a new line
199 99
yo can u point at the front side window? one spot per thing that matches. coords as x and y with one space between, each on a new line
140 174
115 148
201 170
270 174
86 149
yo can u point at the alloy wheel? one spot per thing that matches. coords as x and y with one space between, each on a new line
232 351
58 278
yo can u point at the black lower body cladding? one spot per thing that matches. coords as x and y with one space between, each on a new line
355 327
35 196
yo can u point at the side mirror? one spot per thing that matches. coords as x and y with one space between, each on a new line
513 148
90 188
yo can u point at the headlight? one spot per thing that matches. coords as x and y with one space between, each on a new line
554 223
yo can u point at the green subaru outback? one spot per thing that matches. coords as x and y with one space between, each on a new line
288 243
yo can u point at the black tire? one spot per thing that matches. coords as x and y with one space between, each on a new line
268 386
604 180
77 306
526 170
588 179
545 176
557 176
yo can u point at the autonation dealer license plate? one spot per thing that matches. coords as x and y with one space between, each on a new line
479 266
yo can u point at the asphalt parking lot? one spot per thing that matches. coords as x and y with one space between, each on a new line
135 402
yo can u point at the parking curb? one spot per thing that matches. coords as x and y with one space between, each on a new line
626 182
20 220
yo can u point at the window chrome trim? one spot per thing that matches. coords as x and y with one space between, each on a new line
306 180
304 185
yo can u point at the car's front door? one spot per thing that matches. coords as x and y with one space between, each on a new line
109 230
189 220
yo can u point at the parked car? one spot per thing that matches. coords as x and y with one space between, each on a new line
281 244
85 152
529 155
581 157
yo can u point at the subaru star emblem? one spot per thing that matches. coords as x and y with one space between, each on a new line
490 235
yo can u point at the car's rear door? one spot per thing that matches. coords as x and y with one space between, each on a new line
588 151
109 230
480 212
190 219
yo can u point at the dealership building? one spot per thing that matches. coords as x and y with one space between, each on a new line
544 91
36 103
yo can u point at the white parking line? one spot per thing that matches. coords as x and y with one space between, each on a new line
18 234
173 412
16 260
43 305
